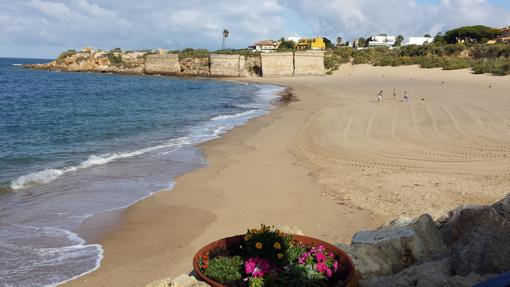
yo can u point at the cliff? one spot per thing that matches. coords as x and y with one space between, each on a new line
162 62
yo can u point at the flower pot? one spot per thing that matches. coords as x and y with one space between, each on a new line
235 241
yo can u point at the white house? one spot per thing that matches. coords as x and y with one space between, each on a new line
420 41
382 40
293 39
266 46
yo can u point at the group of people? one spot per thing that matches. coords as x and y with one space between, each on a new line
380 95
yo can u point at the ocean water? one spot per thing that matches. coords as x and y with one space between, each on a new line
78 144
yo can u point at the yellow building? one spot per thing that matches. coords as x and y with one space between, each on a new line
311 44
318 44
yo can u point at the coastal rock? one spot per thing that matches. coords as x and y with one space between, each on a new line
503 207
484 250
181 281
395 246
430 274
195 66
462 220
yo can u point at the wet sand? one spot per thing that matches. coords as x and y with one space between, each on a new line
333 162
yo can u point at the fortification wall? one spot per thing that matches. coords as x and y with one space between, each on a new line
309 63
277 64
224 65
162 64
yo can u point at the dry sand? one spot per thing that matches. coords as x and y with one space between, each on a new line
332 163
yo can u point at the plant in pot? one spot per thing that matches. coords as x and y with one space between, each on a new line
267 257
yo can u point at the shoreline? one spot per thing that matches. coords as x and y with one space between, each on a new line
284 169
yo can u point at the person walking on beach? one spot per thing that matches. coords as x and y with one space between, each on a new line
406 97
394 94
379 96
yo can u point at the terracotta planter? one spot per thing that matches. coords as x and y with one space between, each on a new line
235 241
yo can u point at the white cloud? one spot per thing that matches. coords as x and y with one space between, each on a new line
39 25
356 18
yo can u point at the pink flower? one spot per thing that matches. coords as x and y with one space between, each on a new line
320 257
257 267
335 266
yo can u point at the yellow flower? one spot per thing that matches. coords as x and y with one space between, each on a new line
258 245
279 255
253 231
277 245
247 237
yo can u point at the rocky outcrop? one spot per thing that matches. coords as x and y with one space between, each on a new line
469 245
181 281
162 62
195 67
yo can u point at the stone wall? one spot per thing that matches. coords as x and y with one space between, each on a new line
309 63
277 64
224 65
162 64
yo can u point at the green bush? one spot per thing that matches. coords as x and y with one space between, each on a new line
301 276
193 53
115 58
456 64
62 56
225 270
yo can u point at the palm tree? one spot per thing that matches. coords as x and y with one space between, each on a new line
225 36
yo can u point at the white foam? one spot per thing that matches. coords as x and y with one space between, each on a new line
49 175
226 117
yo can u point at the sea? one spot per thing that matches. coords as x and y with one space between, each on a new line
73 145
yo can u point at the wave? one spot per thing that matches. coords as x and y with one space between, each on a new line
264 95
49 175
226 117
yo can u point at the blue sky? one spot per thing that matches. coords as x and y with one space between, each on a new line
44 28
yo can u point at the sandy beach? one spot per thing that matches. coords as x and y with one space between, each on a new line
333 162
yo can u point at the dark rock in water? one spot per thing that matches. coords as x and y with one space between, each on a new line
503 207
461 221
484 250
395 246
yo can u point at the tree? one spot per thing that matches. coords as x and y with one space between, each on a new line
398 41
439 38
427 36
362 42
225 36
286 45
471 34
338 41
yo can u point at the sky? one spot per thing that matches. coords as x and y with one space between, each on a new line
44 28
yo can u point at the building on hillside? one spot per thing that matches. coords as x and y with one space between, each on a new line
311 44
419 41
266 46
293 39
505 35
382 40
318 44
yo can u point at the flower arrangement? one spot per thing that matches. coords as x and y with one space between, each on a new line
268 257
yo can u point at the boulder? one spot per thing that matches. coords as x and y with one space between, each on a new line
430 274
181 281
503 207
485 250
395 246
462 220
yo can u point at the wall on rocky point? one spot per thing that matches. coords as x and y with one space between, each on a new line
224 65
277 64
309 63
162 64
